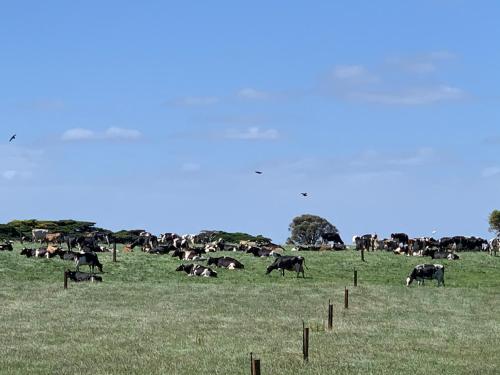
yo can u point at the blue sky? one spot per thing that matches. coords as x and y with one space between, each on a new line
155 115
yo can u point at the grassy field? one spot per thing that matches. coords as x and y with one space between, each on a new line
145 318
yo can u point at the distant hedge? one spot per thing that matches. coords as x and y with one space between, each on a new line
15 229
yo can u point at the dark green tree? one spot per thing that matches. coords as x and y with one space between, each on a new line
307 229
494 221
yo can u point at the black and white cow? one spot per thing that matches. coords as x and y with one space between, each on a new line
426 271
444 255
193 254
37 253
83 276
289 263
6 246
197 270
400 237
259 252
226 262
89 259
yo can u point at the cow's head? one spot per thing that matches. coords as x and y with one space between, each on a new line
409 280
212 261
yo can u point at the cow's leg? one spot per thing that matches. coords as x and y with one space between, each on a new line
283 272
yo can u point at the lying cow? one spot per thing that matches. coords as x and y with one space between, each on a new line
226 262
187 254
6 246
89 259
426 271
444 255
289 263
37 253
197 270
258 252
82 276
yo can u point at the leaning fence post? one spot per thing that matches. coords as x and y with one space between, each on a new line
305 342
346 298
330 315
355 277
114 252
65 279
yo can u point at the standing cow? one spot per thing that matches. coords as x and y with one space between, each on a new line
426 271
289 263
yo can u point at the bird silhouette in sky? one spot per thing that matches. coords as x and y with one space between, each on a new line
12 138
304 194
258 172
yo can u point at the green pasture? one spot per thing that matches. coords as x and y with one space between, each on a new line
145 318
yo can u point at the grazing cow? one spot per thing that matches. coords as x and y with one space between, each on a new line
197 270
83 276
38 234
289 263
226 262
258 252
426 271
193 254
89 259
6 246
332 237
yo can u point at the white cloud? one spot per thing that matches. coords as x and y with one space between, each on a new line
416 96
349 71
78 134
9 175
252 133
194 101
253 94
490 172
113 133
119 133
397 83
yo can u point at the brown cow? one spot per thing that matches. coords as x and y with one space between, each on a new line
53 238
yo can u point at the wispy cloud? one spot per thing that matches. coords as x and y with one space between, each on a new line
490 172
18 162
396 83
353 74
190 167
417 96
113 134
253 134
193 101
253 94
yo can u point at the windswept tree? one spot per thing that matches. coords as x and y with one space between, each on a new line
308 229
494 221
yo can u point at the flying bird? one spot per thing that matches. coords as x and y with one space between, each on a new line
258 172
12 138
304 194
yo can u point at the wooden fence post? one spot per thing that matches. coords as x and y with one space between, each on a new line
346 298
355 277
65 279
330 315
255 365
362 254
305 342
114 252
